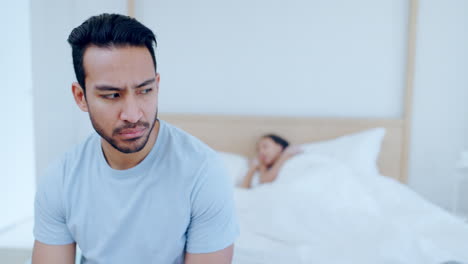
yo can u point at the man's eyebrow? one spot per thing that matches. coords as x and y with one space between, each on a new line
105 87
146 83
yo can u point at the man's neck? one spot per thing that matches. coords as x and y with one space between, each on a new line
123 161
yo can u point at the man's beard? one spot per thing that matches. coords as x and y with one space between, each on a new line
136 144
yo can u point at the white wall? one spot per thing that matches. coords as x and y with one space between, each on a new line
440 125
17 177
314 58
297 57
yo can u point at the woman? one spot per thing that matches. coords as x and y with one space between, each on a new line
272 152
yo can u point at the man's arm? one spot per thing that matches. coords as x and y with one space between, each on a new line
223 256
54 254
213 226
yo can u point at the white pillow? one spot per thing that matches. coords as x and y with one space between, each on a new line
237 166
360 151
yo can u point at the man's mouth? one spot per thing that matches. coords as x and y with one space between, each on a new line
131 133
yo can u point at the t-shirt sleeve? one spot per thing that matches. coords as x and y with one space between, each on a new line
49 214
213 224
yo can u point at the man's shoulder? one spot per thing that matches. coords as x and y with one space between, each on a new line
183 141
61 167
86 149
198 157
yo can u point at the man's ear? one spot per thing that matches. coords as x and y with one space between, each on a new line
158 78
79 95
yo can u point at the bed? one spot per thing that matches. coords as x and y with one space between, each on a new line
334 212
331 210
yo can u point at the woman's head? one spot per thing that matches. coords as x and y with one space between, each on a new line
269 148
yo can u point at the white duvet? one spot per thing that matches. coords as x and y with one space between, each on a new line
322 212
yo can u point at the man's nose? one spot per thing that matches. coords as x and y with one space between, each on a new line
131 111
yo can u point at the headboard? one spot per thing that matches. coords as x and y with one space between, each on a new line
238 134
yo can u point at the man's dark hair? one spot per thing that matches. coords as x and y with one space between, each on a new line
278 140
108 30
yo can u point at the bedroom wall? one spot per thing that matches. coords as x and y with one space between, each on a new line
17 179
309 58
319 58
440 124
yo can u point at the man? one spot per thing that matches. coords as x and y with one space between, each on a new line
139 190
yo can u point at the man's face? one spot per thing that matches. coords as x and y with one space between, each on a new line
121 95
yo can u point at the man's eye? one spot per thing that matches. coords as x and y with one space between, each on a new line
110 96
145 91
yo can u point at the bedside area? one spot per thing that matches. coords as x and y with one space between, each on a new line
16 242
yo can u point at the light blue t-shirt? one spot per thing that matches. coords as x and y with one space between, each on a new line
177 200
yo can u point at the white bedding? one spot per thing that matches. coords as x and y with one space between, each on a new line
323 212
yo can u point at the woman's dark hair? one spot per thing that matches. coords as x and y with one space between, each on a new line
108 30
278 140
